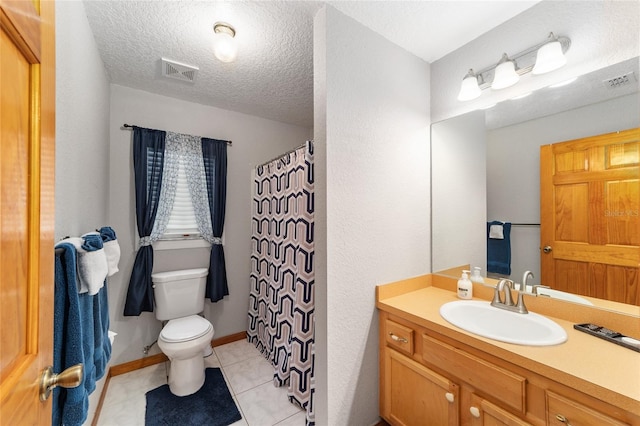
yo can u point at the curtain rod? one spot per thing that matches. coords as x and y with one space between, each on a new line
525 224
283 154
131 126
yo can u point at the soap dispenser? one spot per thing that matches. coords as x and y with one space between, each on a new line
475 276
465 286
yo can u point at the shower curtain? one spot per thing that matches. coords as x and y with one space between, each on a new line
281 301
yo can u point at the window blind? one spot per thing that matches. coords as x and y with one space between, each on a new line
182 221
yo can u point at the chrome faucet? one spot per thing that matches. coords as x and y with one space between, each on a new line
525 278
505 286
500 288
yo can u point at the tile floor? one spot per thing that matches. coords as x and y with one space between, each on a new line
248 375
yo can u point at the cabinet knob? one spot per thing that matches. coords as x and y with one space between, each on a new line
398 339
450 397
562 419
475 412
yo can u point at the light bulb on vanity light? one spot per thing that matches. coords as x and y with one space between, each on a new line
505 74
225 47
469 89
550 56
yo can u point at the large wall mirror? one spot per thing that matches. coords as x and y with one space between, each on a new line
486 166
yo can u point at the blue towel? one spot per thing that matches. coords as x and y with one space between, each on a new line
69 405
499 251
107 233
102 344
81 324
92 242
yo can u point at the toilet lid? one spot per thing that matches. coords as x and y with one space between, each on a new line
184 329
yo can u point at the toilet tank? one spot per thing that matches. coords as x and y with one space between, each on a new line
179 293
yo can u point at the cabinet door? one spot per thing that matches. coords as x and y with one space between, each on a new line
417 396
563 411
484 413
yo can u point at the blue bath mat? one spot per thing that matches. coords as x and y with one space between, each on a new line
212 405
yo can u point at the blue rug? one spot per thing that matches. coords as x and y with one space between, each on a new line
212 405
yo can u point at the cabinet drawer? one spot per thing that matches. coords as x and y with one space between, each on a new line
564 411
399 337
502 385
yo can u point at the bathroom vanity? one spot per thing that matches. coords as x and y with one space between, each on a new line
433 373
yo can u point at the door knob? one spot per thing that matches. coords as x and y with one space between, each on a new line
69 378
547 249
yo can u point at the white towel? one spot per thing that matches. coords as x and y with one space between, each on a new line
112 336
92 268
112 251
496 232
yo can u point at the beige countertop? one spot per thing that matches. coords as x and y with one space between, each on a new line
599 368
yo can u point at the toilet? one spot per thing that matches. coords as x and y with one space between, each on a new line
186 338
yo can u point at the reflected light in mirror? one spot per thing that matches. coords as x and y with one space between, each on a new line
563 83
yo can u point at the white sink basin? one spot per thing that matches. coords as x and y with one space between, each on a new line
481 318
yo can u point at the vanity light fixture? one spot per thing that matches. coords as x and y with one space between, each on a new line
541 58
225 47
505 74
550 56
470 89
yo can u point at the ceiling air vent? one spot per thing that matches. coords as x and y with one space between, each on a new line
619 81
179 71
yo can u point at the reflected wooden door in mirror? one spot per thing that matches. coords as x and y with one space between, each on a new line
590 223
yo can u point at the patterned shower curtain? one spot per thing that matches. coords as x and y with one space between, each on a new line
281 301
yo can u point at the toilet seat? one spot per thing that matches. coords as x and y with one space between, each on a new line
185 329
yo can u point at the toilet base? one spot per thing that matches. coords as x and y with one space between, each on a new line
186 376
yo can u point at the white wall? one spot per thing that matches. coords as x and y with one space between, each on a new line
458 192
374 158
602 33
513 168
82 134
254 140
82 126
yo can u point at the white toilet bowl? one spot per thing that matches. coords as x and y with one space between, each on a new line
184 341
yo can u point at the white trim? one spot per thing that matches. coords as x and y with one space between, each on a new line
180 244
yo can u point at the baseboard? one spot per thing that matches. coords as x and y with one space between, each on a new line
137 364
229 339
96 416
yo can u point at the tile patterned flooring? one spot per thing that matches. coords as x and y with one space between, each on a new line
248 375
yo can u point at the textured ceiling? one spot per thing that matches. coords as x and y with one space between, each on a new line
273 75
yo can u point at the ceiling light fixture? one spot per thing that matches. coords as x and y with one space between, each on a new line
225 47
541 58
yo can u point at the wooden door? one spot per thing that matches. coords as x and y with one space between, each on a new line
590 225
27 130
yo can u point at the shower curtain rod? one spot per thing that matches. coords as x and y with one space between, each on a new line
282 155
131 126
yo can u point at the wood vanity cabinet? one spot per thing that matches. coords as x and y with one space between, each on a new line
427 379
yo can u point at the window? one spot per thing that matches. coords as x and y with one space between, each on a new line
182 228
182 221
